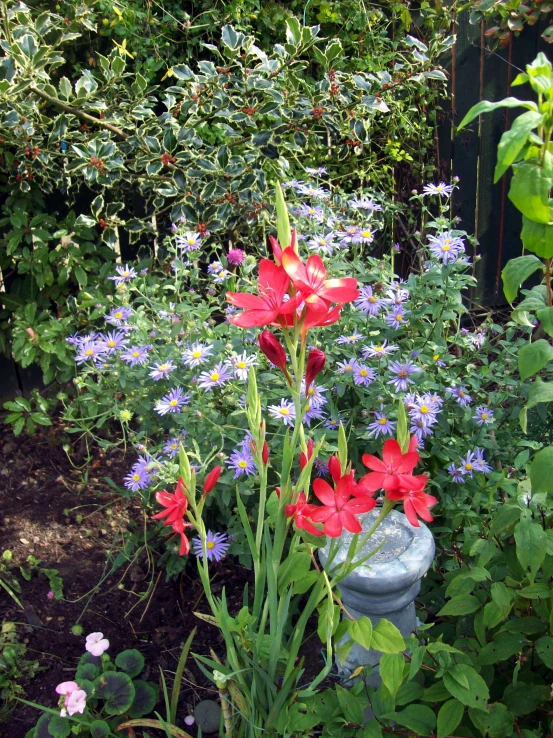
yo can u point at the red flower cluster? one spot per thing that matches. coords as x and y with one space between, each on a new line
176 505
276 303
343 503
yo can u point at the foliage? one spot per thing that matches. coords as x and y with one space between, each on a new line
15 668
509 17
10 582
99 155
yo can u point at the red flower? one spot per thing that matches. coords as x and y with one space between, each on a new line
268 306
179 527
211 479
415 501
304 458
301 511
273 349
277 251
317 291
339 509
265 453
175 504
334 468
393 471
315 364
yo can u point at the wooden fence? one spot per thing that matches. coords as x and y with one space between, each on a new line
476 73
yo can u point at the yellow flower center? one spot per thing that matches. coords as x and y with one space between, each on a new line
348 368
468 466
215 376
135 353
221 274
424 409
242 464
191 241
446 247
173 446
402 374
118 315
89 352
461 394
484 416
241 364
436 357
379 348
382 421
363 372
136 477
111 344
196 354
125 274
173 402
163 367
372 298
366 234
399 317
284 411
210 545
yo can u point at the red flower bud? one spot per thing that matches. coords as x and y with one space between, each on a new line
334 468
211 479
315 363
265 453
304 458
277 490
273 349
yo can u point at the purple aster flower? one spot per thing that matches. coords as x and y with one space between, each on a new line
315 394
421 429
438 361
310 191
320 467
396 318
422 409
397 248
196 354
363 375
442 189
285 412
137 479
118 316
446 247
215 377
236 257
464 331
355 337
114 341
190 241
295 183
479 463
333 422
135 355
216 545
172 402
171 448
89 350
351 234
214 267
477 339
368 303
456 474
381 425
316 172
221 276
124 274
325 244
460 394
347 366
242 364
312 212
241 462
467 464
366 235
168 313
483 415
161 371
402 380
313 412
378 351
364 203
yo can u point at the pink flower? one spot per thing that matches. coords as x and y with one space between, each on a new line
50 595
67 687
341 505
76 702
189 720
96 644
236 257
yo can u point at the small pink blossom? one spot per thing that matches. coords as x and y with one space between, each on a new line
67 687
50 595
236 257
96 644
189 720
76 702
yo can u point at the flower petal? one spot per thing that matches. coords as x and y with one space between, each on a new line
324 492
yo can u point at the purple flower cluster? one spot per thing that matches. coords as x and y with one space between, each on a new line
215 377
141 473
381 425
402 374
460 394
423 411
241 460
446 247
473 462
172 402
216 545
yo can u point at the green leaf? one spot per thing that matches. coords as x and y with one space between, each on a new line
516 272
230 38
485 107
460 605
540 391
545 316
540 471
293 30
533 357
59 727
361 631
353 712
145 698
544 649
99 729
449 717
513 141
502 648
537 237
529 192
387 638
131 661
495 721
531 543
522 698
419 718
465 684
391 671
283 221
117 690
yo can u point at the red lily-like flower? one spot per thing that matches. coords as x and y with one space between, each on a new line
277 250
179 526
304 458
415 501
340 510
393 471
316 290
211 479
175 504
301 511
268 306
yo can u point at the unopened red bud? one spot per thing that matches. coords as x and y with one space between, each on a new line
277 490
211 479
265 453
273 349
334 468
315 364
304 458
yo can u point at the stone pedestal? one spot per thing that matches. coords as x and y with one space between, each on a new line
386 585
